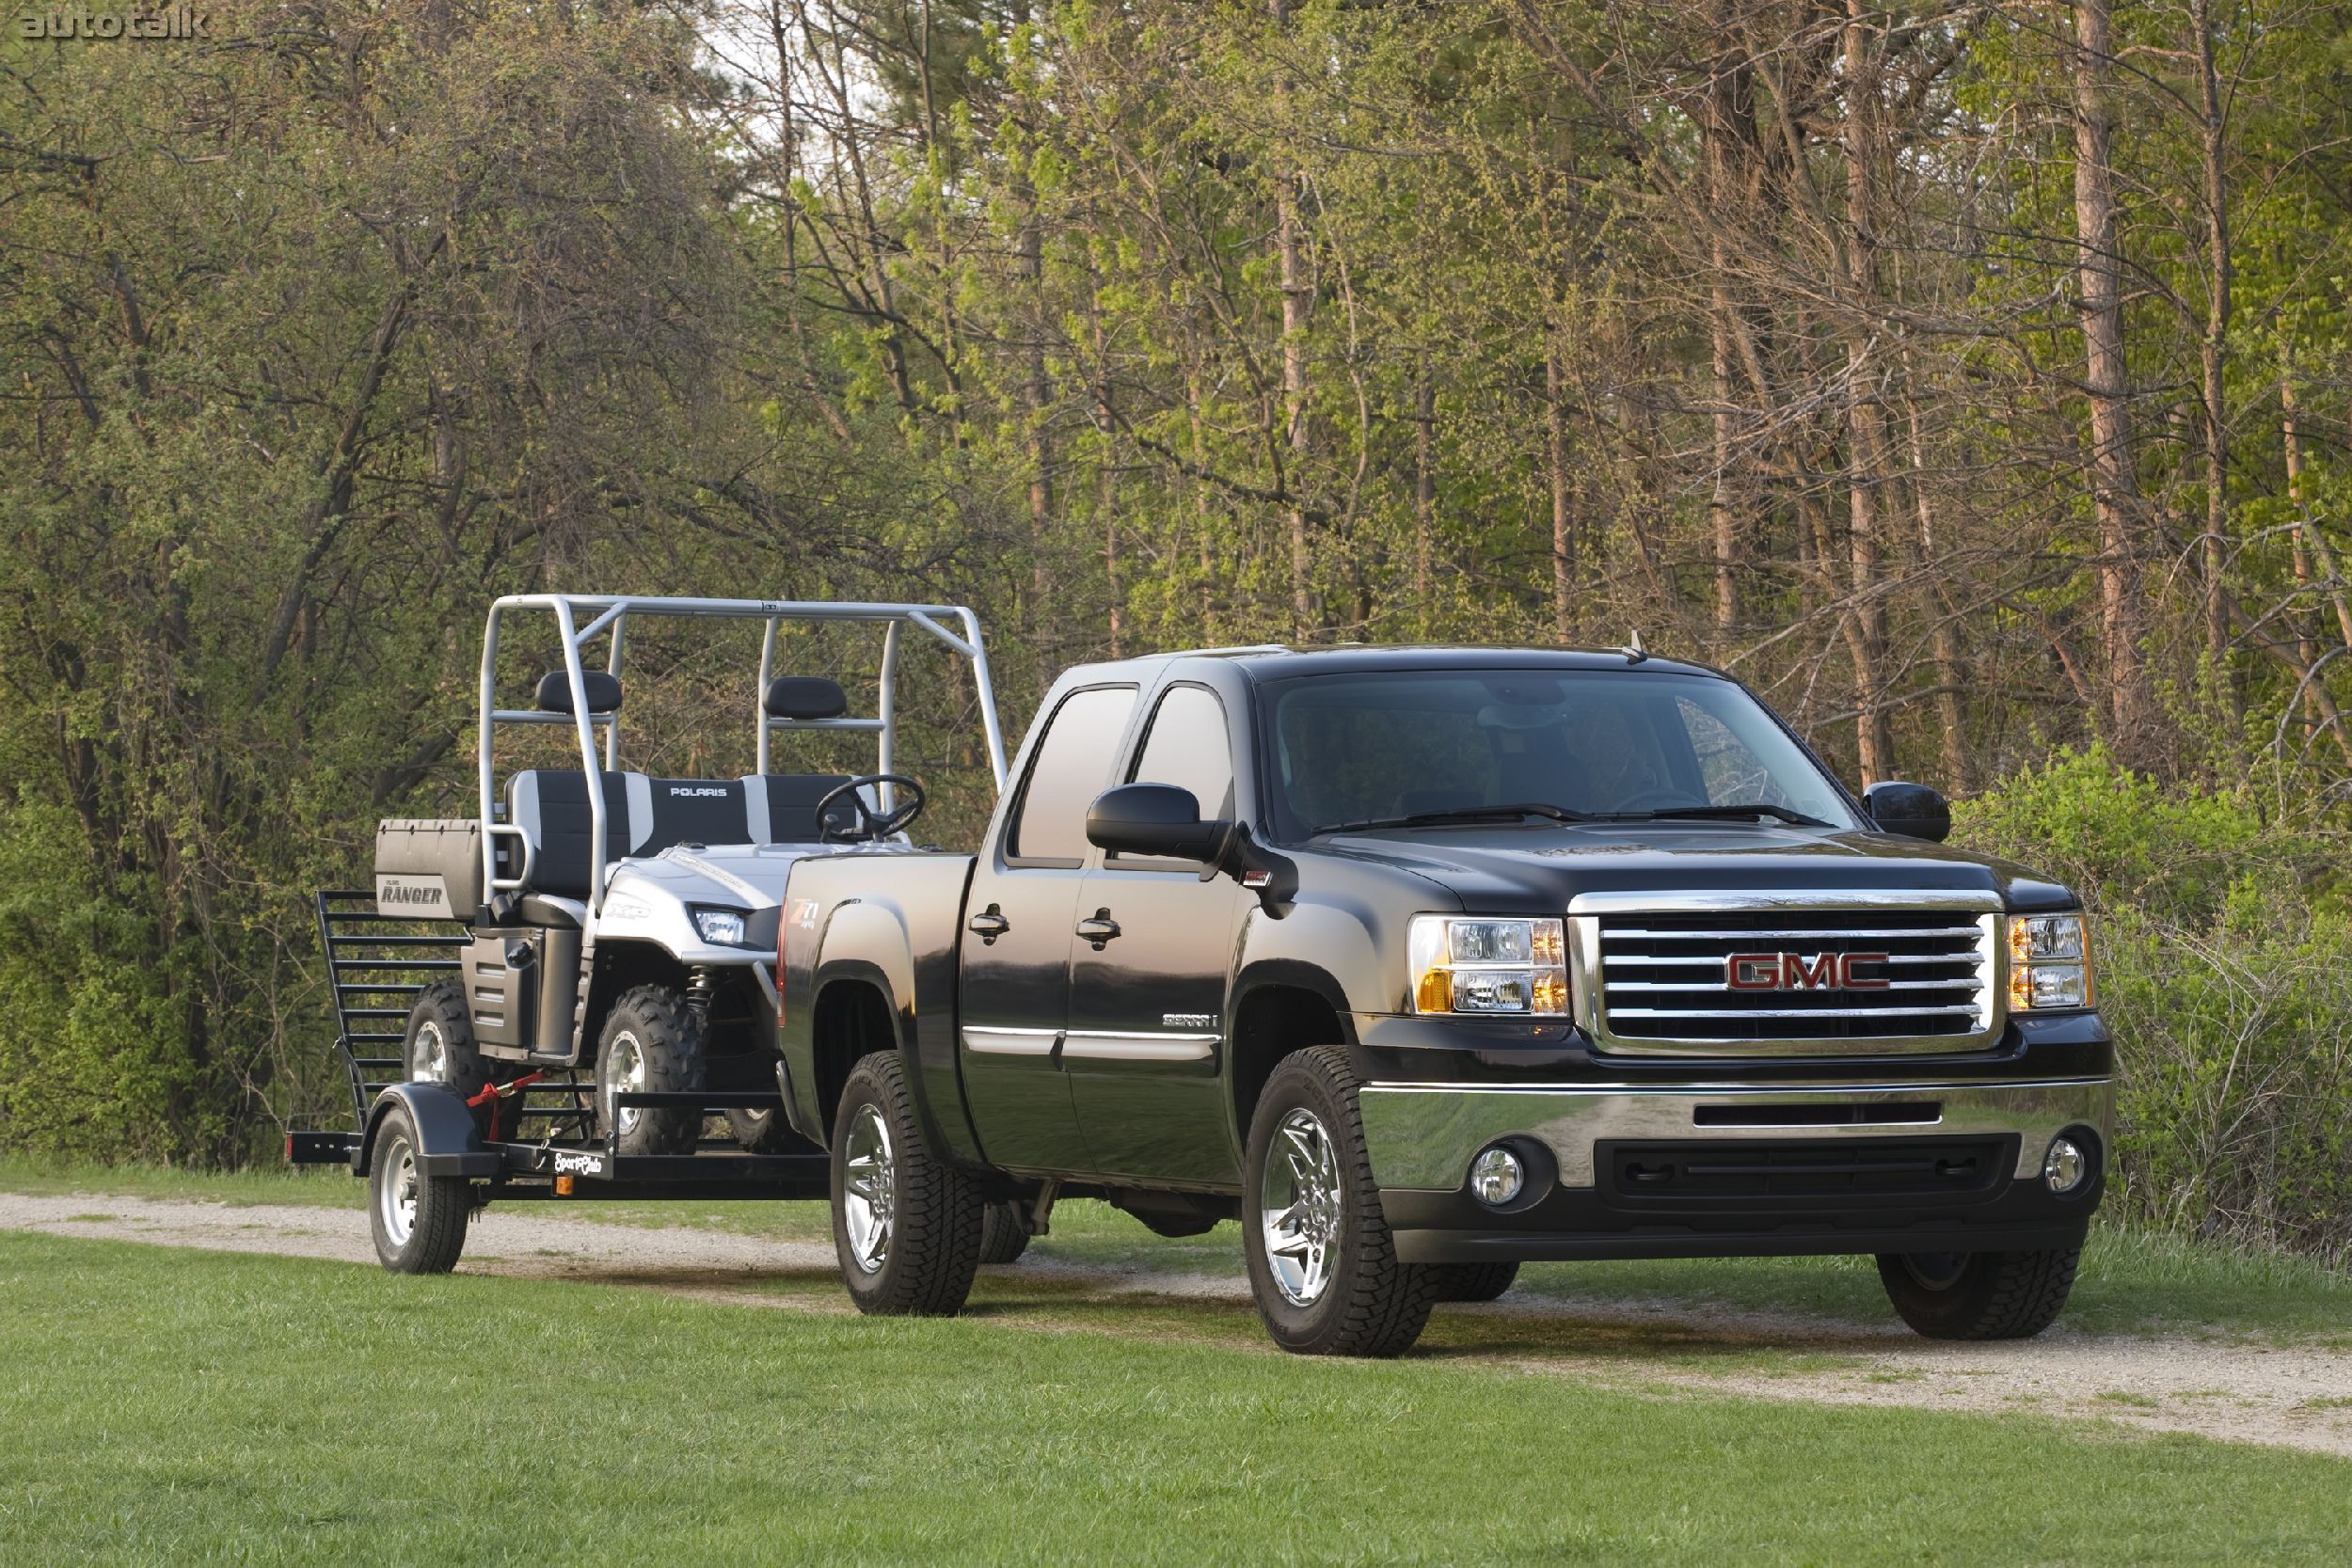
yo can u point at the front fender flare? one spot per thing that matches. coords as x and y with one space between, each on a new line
448 1141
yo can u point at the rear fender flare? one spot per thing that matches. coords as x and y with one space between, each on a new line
448 1142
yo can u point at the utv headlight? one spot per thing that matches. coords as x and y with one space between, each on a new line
722 928
1490 967
2049 962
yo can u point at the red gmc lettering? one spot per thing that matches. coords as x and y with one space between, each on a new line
1794 971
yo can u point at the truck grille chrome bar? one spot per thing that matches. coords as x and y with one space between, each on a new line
1772 973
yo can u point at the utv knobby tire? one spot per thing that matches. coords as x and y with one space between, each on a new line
1473 1281
936 1212
766 1132
439 1046
1002 1239
652 1025
1980 1295
436 1208
1371 1305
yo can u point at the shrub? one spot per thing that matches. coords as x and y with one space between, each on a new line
2224 966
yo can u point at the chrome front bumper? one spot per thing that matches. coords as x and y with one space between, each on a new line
1422 1136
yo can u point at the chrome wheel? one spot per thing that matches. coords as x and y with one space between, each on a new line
1298 1208
869 1188
396 1196
625 1069
430 1065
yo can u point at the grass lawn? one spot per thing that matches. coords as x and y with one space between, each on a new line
2131 1281
166 1405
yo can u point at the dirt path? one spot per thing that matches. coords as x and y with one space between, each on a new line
2282 1395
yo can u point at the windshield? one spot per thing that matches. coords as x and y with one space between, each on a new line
1371 747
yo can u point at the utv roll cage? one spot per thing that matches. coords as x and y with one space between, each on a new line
610 612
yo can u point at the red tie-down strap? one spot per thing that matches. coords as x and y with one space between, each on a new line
496 1095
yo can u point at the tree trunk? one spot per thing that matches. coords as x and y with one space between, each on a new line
1562 515
2114 486
1867 445
2214 348
1297 300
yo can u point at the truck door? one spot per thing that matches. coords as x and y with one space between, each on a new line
1015 948
1145 1045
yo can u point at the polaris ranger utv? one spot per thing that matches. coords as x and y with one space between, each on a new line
580 978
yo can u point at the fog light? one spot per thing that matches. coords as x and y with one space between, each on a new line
2066 1166
1497 1177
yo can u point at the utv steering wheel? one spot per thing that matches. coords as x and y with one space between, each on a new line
872 826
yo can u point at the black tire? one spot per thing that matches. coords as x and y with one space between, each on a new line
653 1037
439 1048
1980 1295
766 1132
1368 1303
419 1221
439 1045
1002 1239
1473 1281
920 1260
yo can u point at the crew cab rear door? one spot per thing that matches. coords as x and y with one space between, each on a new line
1019 919
1144 1050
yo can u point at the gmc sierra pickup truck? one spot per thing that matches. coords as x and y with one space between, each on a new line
1422 963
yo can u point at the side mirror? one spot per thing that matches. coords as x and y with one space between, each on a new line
1914 811
1153 820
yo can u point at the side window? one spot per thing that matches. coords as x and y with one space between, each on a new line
1073 767
1186 746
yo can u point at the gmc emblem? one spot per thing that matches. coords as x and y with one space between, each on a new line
1795 971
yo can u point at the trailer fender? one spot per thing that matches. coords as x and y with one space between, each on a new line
448 1141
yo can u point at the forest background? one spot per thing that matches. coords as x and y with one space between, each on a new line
1974 379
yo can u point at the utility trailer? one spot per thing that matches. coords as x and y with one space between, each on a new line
558 998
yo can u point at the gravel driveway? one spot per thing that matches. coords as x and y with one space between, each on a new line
2285 1394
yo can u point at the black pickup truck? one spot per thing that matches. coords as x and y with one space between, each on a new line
1423 963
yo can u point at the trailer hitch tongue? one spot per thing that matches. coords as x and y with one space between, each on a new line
496 1095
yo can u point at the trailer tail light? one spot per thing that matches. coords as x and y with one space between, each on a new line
563 1185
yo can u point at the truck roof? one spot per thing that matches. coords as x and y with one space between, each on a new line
1273 661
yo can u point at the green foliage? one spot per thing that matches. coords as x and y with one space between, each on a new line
2224 968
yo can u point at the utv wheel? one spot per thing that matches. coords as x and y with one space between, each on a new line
439 1047
766 1132
1980 1295
1473 1281
419 1221
1002 1239
653 1043
906 1224
1321 1266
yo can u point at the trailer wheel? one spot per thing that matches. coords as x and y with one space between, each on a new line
1474 1281
1980 1295
1002 1239
1321 1266
419 1221
652 1041
906 1224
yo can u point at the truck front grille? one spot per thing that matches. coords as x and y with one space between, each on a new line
1780 980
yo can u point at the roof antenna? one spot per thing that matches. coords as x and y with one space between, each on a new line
1633 651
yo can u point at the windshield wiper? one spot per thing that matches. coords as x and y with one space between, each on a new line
1752 808
1460 814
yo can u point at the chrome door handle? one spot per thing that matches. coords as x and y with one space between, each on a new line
1100 930
988 924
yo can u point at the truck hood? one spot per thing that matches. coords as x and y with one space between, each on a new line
1539 867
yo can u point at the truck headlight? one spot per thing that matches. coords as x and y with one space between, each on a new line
722 928
1488 967
2049 962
